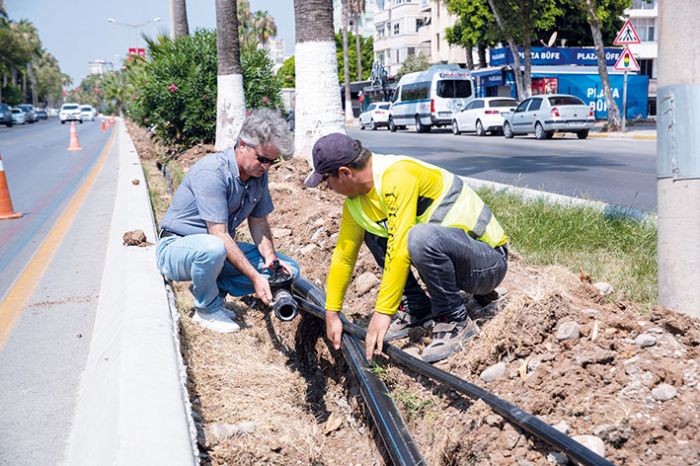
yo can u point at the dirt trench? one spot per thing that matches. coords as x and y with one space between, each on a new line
274 393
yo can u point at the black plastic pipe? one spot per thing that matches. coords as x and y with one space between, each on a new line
526 421
392 429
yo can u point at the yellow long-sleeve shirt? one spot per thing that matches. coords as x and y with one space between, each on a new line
409 189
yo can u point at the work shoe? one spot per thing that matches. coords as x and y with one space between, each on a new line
448 338
494 296
218 321
403 322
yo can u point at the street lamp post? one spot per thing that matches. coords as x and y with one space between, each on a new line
135 27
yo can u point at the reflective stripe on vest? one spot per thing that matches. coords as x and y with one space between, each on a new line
454 207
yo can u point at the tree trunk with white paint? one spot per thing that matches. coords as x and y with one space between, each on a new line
230 100
318 108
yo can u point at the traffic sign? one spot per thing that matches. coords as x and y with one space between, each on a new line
627 62
627 35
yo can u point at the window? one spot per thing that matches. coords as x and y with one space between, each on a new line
437 41
478 104
419 23
469 106
503 103
523 105
371 107
643 4
410 51
380 31
565 100
416 91
454 88
396 29
646 67
646 28
535 105
383 107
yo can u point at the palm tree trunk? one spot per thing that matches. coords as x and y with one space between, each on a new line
482 55
527 78
614 121
180 26
358 47
318 110
346 66
469 48
230 100
32 84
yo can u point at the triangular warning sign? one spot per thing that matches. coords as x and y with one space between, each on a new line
627 62
627 35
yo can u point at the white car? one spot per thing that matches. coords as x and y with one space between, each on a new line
376 115
70 112
482 115
18 116
88 112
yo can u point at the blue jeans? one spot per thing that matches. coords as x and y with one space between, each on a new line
202 259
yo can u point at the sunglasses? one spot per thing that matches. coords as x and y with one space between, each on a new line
263 159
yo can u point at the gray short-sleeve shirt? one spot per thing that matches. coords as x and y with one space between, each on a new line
213 191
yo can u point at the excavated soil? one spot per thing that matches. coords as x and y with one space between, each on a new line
274 393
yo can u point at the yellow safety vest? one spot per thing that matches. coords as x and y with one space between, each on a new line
457 206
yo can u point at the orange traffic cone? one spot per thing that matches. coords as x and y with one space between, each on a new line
111 121
6 210
103 128
74 144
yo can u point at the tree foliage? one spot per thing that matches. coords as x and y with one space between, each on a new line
412 63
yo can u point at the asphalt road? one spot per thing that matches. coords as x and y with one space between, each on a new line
616 171
51 266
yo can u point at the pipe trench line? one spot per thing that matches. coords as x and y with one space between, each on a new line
309 298
399 444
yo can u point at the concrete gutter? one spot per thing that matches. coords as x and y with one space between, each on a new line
133 406
527 194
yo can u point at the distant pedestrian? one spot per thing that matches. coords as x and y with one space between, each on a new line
409 212
217 194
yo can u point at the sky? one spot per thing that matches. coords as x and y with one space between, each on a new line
77 32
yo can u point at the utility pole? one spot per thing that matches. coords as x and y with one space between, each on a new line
678 148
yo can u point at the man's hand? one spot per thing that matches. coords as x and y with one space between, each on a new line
334 328
285 266
377 328
262 289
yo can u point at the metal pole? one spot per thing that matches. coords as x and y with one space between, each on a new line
678 148
624 102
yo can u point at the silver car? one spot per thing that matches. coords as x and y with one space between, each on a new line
545 114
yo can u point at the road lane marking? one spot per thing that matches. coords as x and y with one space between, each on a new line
14 302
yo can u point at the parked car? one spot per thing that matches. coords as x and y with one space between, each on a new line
88 112
483 115
376 115
70 112
5 115
429 98
545 114
19 116
30 113
52 112
41 114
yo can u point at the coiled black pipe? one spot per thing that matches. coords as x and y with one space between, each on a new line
310 303
399 444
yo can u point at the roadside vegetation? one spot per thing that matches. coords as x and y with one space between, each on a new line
620 251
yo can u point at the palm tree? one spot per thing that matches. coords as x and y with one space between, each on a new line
357 9
346 65
178 11
318 110
230 101
264 26
590 7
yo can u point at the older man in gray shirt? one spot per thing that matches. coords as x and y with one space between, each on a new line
218 193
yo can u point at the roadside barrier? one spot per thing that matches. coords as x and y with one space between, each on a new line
103 128
74 144
6 210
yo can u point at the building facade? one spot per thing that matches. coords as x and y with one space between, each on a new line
100 67
366 20
436 18
643 14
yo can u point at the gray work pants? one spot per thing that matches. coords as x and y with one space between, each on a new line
448 260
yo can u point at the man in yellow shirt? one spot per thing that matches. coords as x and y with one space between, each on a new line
409 213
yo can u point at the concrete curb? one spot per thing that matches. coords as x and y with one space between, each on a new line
133 406
622 136
532 195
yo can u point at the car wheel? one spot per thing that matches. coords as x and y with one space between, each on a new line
372 125
583 134
540 133
455 128
420 127
392 126
362 127
480 128
507 131
63 122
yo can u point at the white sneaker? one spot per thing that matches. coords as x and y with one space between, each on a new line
218 321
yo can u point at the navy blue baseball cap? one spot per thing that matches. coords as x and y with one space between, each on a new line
331 152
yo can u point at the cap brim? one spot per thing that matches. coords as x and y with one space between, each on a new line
313 180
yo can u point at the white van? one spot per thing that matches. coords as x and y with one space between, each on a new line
428 98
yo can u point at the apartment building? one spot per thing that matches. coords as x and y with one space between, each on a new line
432 34
276 48
100 67
366 20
